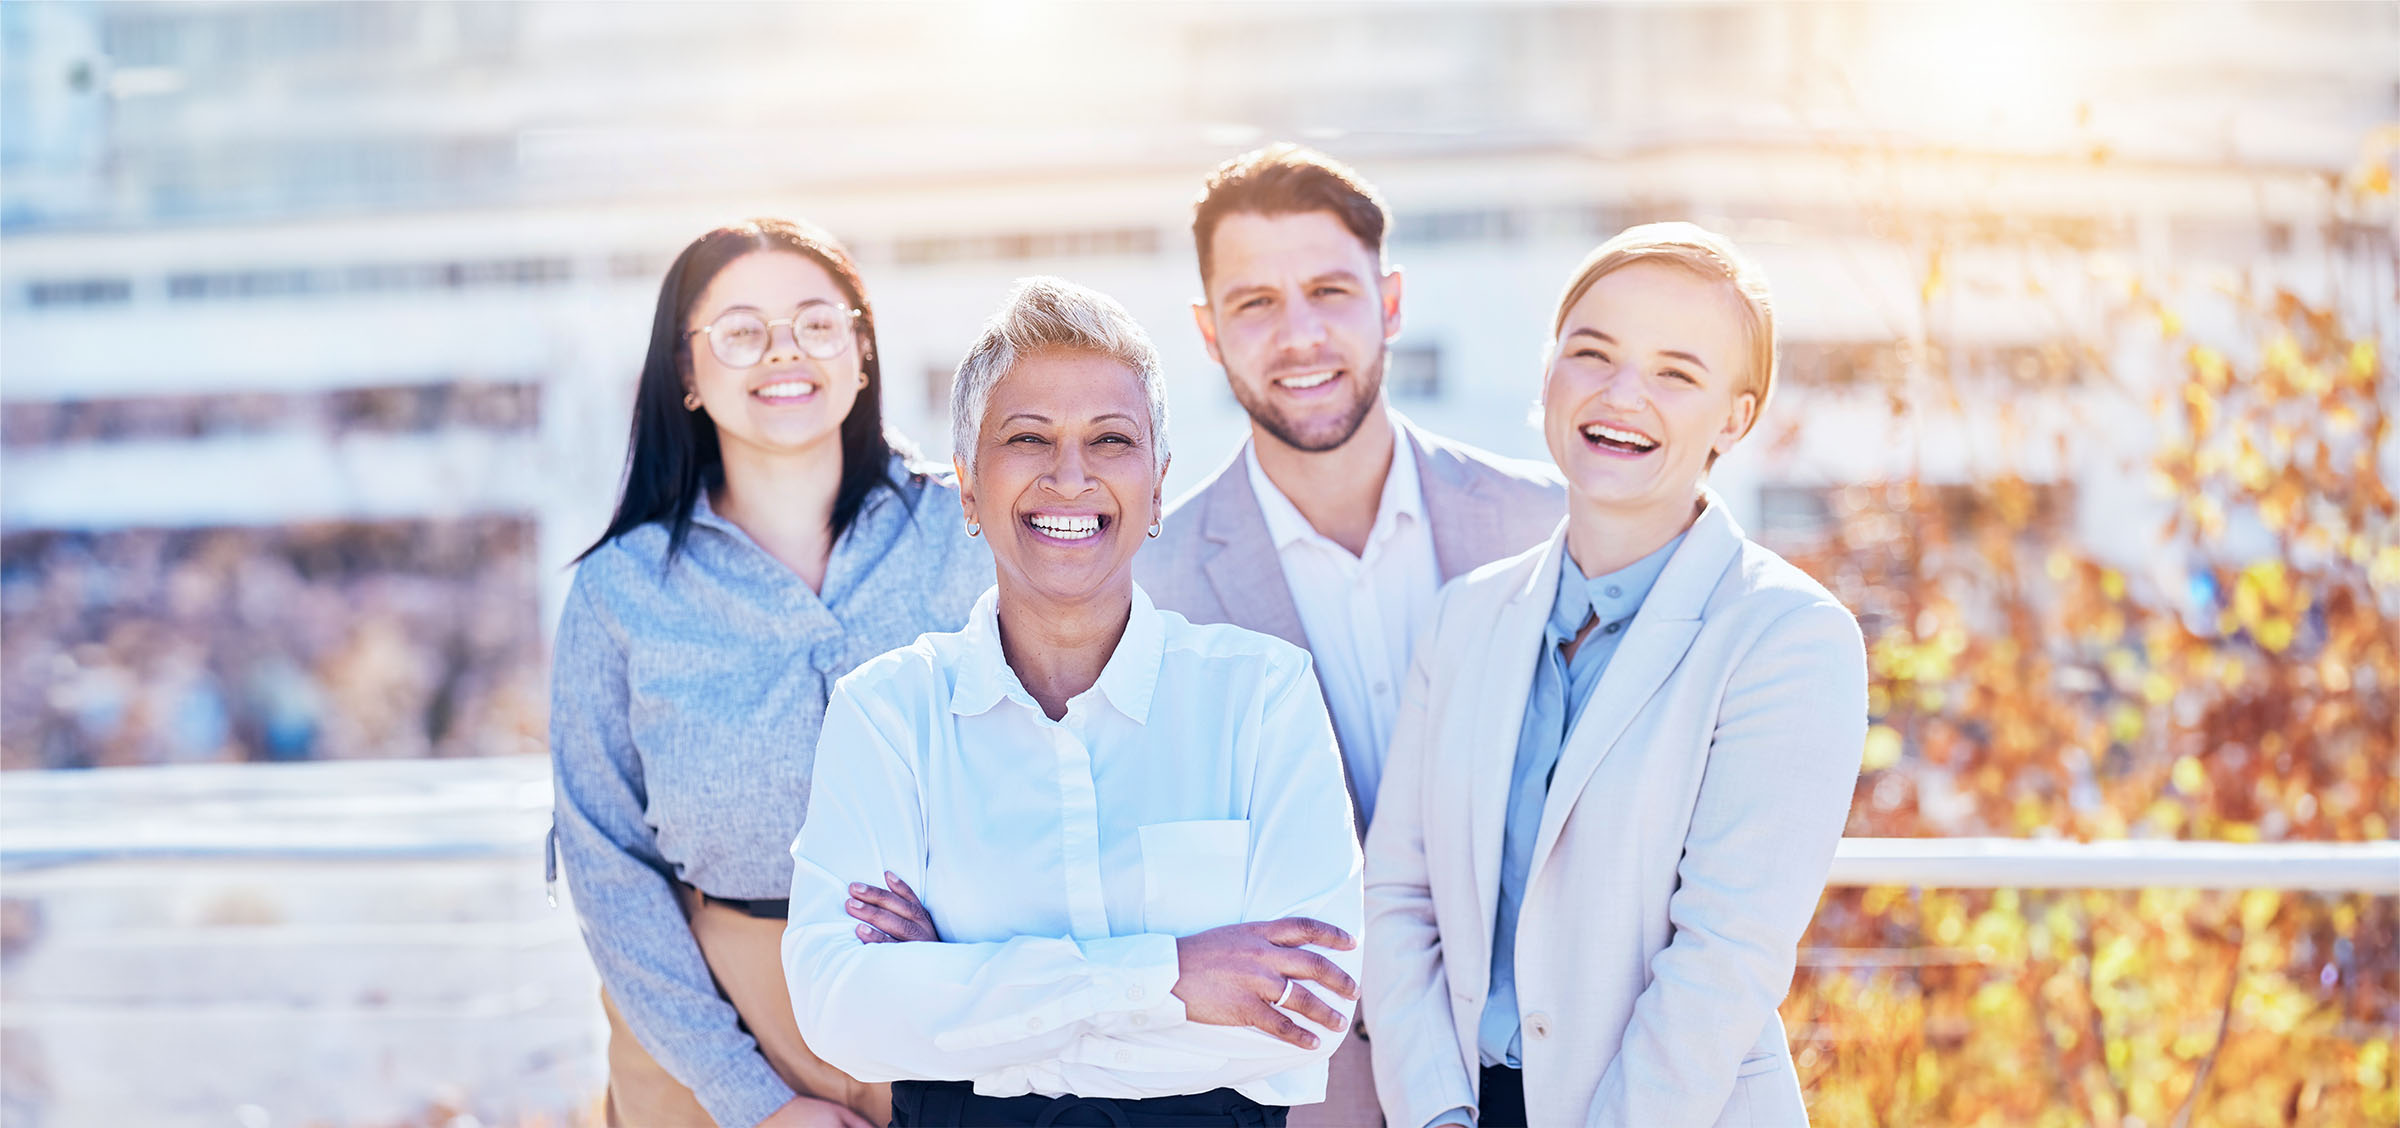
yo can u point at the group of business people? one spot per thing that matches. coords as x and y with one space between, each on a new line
1014 795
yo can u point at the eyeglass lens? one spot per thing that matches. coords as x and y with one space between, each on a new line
741 337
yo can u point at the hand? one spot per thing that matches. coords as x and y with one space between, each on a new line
809 1112
892 915
1235 976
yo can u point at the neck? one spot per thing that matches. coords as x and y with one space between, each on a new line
1604 538
784 501
1337 490
1058 647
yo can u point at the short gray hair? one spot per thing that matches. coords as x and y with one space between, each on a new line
1044 313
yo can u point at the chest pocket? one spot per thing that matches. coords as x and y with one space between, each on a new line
1193 874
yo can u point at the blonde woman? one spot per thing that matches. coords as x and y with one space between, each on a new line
1624 758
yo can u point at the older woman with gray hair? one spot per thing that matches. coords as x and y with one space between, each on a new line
1131 830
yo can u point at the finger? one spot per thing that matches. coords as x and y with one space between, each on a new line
1300 1001
904 902
1275 1024
1292 932
888 901
1297 964
892 881
893 924
873 936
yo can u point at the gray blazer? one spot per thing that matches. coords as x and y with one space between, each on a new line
1214 561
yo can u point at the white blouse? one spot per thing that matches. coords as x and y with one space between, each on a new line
1196 784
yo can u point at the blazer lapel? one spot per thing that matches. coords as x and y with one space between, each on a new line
1465 527
1242 565
1498 700
1662 631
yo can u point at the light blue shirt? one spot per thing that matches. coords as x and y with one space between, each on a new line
1555 702
685 705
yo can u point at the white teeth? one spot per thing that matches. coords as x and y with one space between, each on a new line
1306 380
1628 438
786 390
1067 528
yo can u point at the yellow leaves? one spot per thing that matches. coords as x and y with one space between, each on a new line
2058 565
2188 776
2385 572
1883 749
2210 367
2374 1064
2112 583
2268 604
2259 907
2125 723
2203 405
1933 276
2157 689
2170 325
2362 361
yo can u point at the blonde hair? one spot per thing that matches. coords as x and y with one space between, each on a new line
1702 252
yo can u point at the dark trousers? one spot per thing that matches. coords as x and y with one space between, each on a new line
1503 1103
954 1104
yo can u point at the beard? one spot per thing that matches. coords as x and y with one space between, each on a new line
1327 432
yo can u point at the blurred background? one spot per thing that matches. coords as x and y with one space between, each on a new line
319 324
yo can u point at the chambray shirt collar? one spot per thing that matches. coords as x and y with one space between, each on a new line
1613 597
1127 682
1403 497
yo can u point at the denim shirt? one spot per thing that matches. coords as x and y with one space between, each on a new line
686 697
1560 690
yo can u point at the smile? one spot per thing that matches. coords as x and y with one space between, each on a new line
1618 438
1303 381
1065 527
785 389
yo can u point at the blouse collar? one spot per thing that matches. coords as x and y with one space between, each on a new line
1127 682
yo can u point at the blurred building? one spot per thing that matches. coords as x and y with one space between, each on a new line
359 290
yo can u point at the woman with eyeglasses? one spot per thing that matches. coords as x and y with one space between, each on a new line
768 540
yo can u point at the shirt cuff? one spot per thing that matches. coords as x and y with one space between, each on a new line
743 1092
1460 1115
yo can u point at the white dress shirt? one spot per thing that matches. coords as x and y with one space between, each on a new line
1362 613
1194 785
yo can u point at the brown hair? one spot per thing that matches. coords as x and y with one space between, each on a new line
1707 254
1287 179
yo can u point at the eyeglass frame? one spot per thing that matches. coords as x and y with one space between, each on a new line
850 311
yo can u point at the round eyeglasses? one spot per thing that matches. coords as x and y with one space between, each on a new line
741 337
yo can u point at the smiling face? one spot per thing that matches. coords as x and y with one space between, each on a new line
1646 383
1299 312
1063 477
789 400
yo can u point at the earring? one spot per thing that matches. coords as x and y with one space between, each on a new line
691 401
1156 527
862 379
974 530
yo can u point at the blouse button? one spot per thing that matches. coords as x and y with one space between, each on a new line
1612 627
1537 1024
1614 591
826 656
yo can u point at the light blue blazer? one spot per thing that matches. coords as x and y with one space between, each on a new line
1686 838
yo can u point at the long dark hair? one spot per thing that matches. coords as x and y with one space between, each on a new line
674 451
